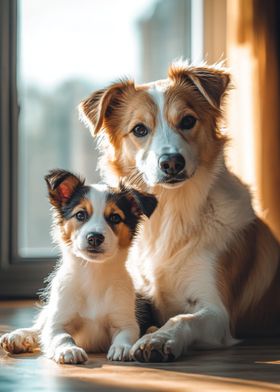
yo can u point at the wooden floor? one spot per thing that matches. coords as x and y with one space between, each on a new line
253 366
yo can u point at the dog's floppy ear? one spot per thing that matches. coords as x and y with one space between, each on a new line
100 105
142 202
211 81
61 186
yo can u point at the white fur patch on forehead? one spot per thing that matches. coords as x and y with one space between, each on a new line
157 93
100 187
164 139
98 195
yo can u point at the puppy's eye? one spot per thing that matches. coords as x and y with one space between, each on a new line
81 216
140 130
187 122
115 218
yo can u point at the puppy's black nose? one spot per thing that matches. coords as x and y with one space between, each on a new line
95 239
171 164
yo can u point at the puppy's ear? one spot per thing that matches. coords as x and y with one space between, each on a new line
142 203
61 186
99 107
210 81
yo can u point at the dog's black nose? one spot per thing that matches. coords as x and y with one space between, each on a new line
171 164
95 239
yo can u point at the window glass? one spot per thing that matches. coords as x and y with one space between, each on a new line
67 49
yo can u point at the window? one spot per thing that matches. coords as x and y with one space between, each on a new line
53 54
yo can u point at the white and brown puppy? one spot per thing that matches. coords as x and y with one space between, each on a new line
207 263
90 303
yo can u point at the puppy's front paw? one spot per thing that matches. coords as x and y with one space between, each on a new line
19 341
70 354
119 352
156 347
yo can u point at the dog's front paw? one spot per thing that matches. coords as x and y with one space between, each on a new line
120 352
70 354
19 341
156 347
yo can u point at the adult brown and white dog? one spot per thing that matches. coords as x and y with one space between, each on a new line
207 263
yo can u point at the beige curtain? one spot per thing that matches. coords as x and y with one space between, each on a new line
253 52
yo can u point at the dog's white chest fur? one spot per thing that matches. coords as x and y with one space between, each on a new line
96 296
90 328
178 267
96 306
171 294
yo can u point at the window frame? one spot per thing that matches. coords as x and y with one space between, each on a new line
19 277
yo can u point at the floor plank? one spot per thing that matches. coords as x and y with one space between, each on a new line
251 366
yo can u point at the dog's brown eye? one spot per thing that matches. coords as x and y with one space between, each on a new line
187 122
81 216
140 130
115 218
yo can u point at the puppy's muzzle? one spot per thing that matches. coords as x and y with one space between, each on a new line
95 239
171 164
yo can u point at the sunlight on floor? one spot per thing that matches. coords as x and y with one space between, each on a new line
247 367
